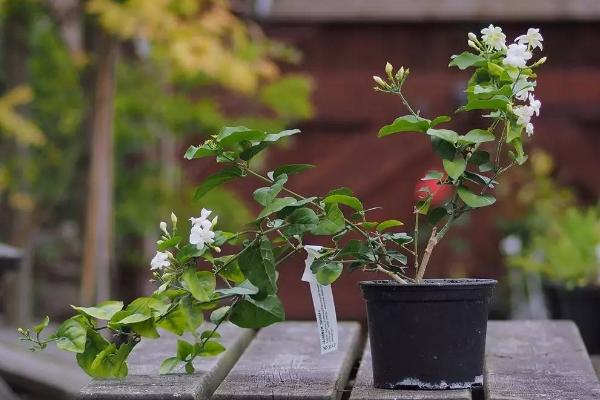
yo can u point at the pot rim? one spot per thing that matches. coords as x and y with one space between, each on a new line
460 283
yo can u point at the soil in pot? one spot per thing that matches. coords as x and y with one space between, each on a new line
429 335
579 304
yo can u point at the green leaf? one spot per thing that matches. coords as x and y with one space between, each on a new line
251 313
474 200
349 201
436 215
406 123
232 272
481 179
444 149
216 179
175 321
210 334
104 310
199 152
72 334
220 313
258 265
301 220
94 344
189 367
188 252
356 249
466 60
265 195
439 120
495 69
169 365
291 169
478 136
273 137
332 223
110 362
390 223
42 325
433 175
328 272
201 284
193 313
422 206
166 244
184 349
455 168
498 102
343 190
132 318
444 134
277 205
398 237
479 157
146 328
514 133
231 135
244 288
209 349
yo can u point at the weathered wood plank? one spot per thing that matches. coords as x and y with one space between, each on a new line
538 360
363 387
145 382
284 362
44 374
596 363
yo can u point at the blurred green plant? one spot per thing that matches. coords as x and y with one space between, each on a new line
180 60
567 251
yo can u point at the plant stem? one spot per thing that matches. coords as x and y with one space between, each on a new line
416 240
428 250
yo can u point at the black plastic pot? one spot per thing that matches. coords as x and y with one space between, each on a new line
581 305
429 335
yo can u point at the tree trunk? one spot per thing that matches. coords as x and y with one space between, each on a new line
98 246
19 284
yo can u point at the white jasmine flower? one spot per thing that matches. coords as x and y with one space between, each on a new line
511 245
201 234
204 214
523 93
517 55
535 105
160 261
493 37
533 38
529 129
523 114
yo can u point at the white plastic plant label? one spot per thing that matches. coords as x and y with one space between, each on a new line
322 298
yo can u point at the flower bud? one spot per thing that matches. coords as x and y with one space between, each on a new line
472 36
540 62
173 218
389 70
400 74
215 220
217 249
163 227
21 331
472 44
380 81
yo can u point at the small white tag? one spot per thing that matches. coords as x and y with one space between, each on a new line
322 298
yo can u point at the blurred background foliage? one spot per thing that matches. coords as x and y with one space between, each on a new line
181 65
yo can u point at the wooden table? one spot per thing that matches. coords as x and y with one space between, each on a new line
524 360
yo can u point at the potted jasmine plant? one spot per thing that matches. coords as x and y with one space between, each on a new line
424 333
566 253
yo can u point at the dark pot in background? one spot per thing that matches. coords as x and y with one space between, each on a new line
581 305
429 335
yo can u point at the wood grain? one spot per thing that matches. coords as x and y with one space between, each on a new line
145 382
538 360
284 362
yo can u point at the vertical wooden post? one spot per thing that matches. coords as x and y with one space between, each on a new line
99 209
